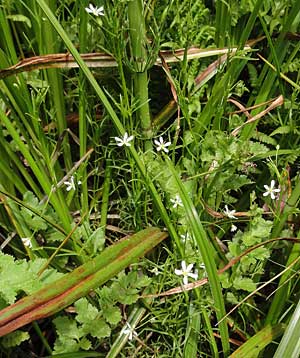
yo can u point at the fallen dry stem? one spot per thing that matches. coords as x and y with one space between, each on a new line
232 262
277 102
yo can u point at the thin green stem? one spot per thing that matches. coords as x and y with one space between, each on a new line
139 58
83 122
106 194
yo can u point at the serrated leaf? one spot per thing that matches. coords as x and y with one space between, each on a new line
258 148
85 311
281 130
143 281
65 345
98 329
92 321
30 199
14 339
112 314
85 344
22 276
67 328
244 283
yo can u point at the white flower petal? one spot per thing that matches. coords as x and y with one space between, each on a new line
189 267
193 275
270 190
178 272
124 141
272 184
233 228
27 242
161 145
183 265
95 10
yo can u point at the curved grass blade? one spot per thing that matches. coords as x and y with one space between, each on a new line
207 253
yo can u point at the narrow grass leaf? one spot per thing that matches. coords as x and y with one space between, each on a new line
192 333
290 342
259 341
207 253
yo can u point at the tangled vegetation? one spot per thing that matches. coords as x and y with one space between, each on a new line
149 178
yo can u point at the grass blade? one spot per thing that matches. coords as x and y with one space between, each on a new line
259 341
207 253
290 342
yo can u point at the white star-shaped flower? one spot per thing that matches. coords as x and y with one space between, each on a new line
27 242
130 331
270 190
162 145
124 141
71 184
97 11
233 228
229 213
177 201
186 272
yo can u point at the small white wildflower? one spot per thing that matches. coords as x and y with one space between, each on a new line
71 184
177 201
155 271
162 145
233 228
186 272
97 11
229 213
27 242
124 141
130 331
270 190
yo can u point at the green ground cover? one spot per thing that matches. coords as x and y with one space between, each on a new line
149 178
